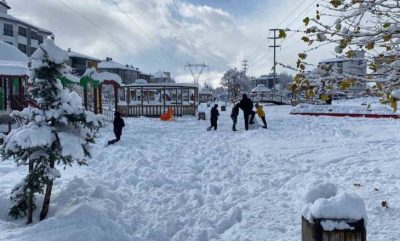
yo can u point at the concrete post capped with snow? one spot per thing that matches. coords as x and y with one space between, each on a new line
332 215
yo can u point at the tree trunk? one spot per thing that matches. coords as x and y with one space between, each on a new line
47 196
30 196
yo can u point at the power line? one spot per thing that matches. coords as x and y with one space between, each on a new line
284 20
121 42
145 33
184 27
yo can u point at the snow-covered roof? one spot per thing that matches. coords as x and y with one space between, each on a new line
102 76
265 77
11 18
140 81
12 61
111 64
107 76
72 78
261 88
79 55
155 85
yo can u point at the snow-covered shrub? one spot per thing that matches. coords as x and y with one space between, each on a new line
57 131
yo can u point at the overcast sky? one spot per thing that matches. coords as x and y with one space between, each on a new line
149 34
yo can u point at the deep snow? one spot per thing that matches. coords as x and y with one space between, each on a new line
176 181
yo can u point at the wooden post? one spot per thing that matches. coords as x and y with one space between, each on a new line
5 93
100 93
165 103
95 100
11 86
85 97
315 231
20 88
116 97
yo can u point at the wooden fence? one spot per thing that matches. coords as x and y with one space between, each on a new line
156 110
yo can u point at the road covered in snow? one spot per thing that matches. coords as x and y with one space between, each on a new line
174 181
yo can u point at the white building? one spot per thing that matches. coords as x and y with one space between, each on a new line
356 66
162 77
348 66
22 35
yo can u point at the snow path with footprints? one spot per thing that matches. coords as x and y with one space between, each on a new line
174 181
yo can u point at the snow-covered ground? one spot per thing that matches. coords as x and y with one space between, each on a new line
363 106
175 181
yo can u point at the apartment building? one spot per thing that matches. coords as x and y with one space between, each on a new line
22 35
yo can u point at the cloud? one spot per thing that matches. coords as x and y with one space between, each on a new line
149 34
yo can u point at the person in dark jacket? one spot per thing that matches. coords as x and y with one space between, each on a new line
118 125
247 106
234 115
214 118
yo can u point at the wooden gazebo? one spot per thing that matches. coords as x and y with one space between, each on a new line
154 99
14 73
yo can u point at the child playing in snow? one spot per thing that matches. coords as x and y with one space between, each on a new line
261 114
214 118
118 125
234 115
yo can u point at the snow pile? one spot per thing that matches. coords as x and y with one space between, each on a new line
72 77
330 225
396 94
320 190
12 61
29 136
177 182
71 145
51 51
342 109
323 202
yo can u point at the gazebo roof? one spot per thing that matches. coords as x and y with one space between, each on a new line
12 61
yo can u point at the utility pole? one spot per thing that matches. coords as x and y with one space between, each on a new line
196 70
244 66
275 30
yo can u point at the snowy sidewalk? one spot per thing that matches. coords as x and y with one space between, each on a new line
176 181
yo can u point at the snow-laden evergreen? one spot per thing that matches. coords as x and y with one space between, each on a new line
58 131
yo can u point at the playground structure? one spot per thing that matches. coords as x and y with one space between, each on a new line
91 84
139 99
152 100
14 73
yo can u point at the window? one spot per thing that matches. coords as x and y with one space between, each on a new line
22 31
40 38
360 62
8 29
33 50
34 35
9 43
22 47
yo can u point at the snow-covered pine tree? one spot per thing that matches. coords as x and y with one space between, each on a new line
58 131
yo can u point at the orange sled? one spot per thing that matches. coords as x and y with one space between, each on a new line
167 115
